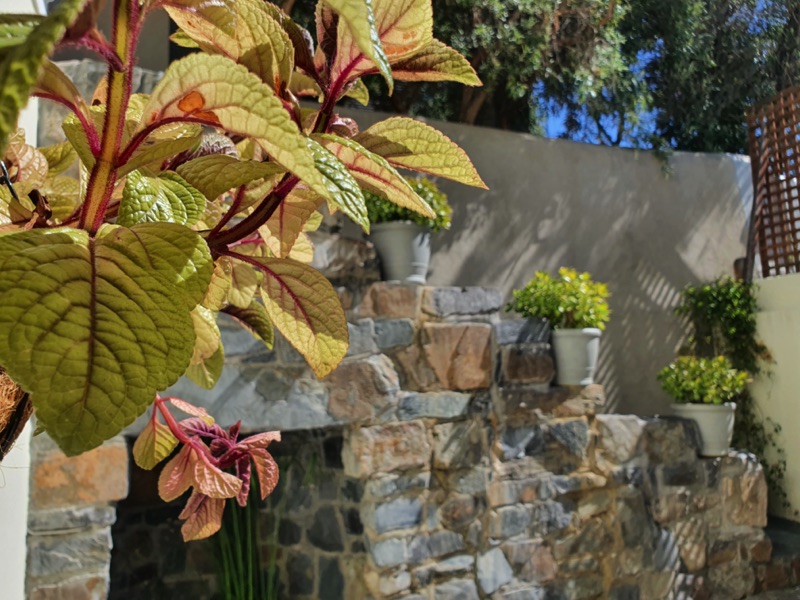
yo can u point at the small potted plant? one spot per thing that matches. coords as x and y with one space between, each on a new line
402 237
704 390
577 310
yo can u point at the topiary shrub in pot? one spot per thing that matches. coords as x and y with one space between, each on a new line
577 309
703 389
402 237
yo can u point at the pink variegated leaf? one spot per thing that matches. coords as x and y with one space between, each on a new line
243 471
202 516
267 470
260 440
191 409
178 475
212 481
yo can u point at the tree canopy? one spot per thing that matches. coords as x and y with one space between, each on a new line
647 73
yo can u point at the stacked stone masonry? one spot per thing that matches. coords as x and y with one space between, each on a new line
453 469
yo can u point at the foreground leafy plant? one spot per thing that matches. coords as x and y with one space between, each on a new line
192 201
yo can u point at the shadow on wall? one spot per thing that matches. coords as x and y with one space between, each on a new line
609 211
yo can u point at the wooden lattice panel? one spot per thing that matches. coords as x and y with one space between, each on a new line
774 131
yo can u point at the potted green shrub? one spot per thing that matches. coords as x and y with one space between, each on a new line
577 310
402 237
704 390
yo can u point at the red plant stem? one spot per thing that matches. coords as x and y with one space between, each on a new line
173 425
104 173
140 137
88 127
257 218
237 201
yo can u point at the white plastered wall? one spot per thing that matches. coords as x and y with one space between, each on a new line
15 469
777 393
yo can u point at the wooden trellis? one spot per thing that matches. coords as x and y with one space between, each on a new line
774 134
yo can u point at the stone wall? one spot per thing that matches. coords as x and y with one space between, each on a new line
450 468
69 522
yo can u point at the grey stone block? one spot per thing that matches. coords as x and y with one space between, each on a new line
445 542
493 570
73 517
391 333
390 484
401 513
325 532
455 564
509 521
63 555
458 589
390 552
521 331
573 435
435 405
447 301
362 338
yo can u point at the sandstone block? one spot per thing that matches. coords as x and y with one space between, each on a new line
532 559
391 300
100 475
91 587
744 496
458 354
385 448
360 388
64 555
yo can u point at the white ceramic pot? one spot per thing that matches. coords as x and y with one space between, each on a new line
404 249
715 422
576 355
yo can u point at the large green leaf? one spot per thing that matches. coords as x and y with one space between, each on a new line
258 41
76 135
217 173
217 90
301 40
54 84
436 62
165 198
359 41
15 28
255 320
163 143
289 220
60 157
375 174
343 188
304 307
20 67
92 328
411 144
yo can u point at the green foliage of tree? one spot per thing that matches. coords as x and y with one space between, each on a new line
645 73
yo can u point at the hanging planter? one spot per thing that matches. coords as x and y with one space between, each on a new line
15 410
